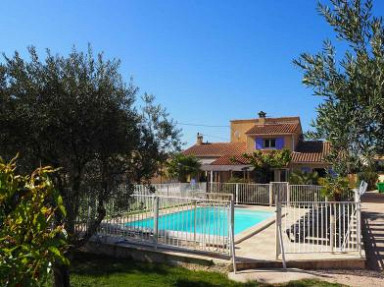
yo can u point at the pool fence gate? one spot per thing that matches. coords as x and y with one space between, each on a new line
319 226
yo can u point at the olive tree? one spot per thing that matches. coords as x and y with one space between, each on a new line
77 113
351 117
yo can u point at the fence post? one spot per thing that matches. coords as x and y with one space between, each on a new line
288 193
331 229
237 193
232 235
195 221
270 194
278 219
155 220
358 221
356 195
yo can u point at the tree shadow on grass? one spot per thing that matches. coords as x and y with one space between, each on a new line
100 265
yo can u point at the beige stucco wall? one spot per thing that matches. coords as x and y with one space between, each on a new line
242 127
287 141
295 141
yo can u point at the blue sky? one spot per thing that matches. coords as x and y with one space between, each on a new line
206 61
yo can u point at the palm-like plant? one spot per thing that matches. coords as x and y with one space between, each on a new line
302 177
182 166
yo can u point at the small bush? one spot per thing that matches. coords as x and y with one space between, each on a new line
335 188
29 240
370 177
300 177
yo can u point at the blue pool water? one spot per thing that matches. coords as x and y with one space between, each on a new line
208 220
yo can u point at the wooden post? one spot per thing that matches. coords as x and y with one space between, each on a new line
270 194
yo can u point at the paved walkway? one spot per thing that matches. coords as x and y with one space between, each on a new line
373 230
271 276
353 278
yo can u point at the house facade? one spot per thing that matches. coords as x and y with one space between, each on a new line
223 160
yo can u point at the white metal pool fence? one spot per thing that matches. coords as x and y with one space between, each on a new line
264 194
317 227
320 226
170 189
202 219
180 190
191 223
243 193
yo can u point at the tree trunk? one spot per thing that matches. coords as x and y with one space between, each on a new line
61 275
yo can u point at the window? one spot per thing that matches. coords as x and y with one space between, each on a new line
269 143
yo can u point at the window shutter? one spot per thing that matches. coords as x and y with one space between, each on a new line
259 143
306 169
280 143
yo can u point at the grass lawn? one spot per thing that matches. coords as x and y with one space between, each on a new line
93 270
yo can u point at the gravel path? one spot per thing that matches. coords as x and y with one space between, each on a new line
354 278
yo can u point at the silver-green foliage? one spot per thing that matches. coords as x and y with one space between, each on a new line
351 116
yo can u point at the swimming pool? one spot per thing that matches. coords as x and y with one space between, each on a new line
208 220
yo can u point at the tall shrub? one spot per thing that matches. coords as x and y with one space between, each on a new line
30 242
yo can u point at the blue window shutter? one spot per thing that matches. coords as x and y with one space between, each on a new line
280 143
259 143
306 169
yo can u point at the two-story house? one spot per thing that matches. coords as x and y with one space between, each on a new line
263 134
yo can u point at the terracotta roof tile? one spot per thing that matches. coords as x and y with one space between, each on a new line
231 159
273 129
216 149
273 120
311 151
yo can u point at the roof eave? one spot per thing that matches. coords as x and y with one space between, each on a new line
270 134
322 162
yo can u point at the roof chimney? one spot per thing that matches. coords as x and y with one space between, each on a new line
262 116
199 139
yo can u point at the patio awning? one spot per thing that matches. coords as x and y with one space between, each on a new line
237 167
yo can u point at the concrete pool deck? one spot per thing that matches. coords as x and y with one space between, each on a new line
259 251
